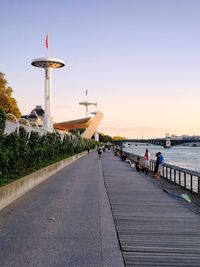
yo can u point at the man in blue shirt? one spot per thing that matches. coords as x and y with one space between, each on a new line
161 162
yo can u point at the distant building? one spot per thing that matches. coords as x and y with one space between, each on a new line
36 115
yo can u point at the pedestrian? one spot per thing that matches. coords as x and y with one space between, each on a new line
100 150
138 165
124 156
159 165
161 162
88 149
156 165
146 161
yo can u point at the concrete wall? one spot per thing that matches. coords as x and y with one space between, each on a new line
12 191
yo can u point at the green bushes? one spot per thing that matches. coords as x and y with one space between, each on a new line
2 121
18 158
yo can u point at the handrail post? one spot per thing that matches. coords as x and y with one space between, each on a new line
175 176
191 182
185 186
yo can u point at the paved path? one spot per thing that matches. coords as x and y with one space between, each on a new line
65 221
155 228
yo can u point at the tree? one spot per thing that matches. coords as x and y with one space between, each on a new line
2 121
116 138
105 138
7 102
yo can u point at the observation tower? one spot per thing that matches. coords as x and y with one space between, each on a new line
47 64
87 104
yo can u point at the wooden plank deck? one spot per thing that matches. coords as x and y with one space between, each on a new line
154 228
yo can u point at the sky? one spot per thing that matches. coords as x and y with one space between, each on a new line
139 59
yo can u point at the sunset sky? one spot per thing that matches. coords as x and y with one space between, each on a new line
139 59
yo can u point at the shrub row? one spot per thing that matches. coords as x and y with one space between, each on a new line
19 157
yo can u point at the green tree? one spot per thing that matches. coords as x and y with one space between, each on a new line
2 121
105 138
119 138
7 102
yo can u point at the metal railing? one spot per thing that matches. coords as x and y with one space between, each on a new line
185 178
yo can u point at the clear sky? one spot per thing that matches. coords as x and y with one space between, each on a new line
139 59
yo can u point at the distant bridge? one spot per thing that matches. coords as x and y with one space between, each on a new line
165 142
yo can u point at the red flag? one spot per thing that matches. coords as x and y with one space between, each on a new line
47 42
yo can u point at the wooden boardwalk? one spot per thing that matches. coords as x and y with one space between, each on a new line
154 228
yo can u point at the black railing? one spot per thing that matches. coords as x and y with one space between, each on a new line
185 178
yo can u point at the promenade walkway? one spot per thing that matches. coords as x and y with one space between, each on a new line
67 222
155 228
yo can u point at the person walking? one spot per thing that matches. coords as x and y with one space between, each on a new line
100 151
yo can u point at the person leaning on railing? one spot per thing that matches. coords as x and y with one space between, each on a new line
159 165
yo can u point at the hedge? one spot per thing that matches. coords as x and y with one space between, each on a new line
19 157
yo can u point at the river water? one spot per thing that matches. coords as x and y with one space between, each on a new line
181 156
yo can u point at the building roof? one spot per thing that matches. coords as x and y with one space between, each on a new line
89 124
37 111
74 124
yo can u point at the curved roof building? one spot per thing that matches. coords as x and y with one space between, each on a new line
90 125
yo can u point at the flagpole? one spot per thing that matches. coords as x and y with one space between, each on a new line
86 93
47 44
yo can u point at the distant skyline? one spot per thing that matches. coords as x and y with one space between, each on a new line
139 59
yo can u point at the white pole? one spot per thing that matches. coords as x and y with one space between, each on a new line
96 136
47 97
86 111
